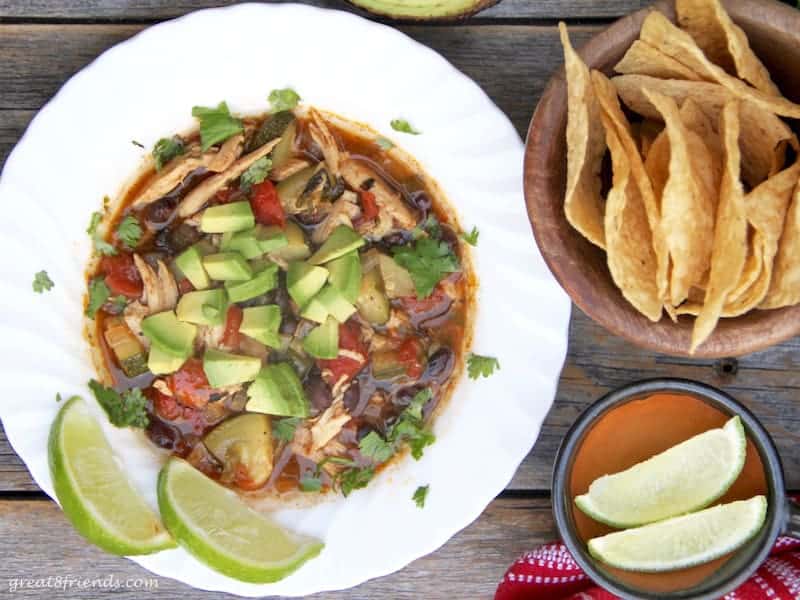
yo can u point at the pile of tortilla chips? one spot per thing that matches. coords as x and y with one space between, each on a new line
703 214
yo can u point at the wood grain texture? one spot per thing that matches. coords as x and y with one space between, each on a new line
153 10
469 566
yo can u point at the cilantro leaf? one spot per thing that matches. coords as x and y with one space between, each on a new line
427 260
58 397
384 143
472 237
420 494
129 231
283 429
255 173
42 282
403 126
103 247
355 478
137 144
285 99
166 149
124 410
216 124
97 216
481 366
98 294
410 426
373 446
310 484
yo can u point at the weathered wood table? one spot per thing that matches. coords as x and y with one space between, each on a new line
510 51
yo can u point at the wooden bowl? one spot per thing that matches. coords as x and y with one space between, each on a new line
580 267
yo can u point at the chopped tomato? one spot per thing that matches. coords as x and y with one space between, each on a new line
165 406
349 339
184 286
122 276
369 207
409 353
243 480
233 320
190 385
224 196
266 205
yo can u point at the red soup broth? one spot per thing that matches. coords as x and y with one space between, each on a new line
634 432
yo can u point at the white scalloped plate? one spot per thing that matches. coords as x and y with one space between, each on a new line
79 149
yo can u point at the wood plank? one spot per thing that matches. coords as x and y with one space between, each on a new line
156 10
507 528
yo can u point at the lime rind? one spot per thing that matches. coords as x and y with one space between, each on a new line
685 541
643 493
86 513
195 538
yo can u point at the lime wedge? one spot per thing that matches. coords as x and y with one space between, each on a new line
220 530
93 491
685 478
684 541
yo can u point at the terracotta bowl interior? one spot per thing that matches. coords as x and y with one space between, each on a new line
580 267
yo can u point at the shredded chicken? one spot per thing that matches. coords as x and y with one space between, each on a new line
377 228
228 152
329 424
356 172
170 177
342 212
325 140
351 354
162 387
288 168
133 314
210 337
197 198
338 388
160 290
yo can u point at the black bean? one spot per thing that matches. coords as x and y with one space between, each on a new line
318 391
183 236
351 397
440 366
165 436
364 431
159 213
397 238
421 201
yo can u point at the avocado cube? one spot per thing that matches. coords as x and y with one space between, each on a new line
223 368
161 363
344 239
296 247
304 280
271 238
262 323
323 341
345 275
261 283
206 307
227 266
190 263
170 335
335 304
277 391
236 216
243 242
314 311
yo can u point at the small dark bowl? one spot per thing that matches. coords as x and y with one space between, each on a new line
580 267
783 515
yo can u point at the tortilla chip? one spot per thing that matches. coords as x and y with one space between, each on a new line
729 250
643 59
698 122
687 212
629 243
657 164
648 132
583 203
614 117
764 136
784 289
661 33
723 42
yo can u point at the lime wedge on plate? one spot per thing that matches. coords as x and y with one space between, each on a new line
682 479
684 541
94 492
220 530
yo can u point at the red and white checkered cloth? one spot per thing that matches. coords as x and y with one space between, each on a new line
550 573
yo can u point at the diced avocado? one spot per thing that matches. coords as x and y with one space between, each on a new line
304 280
161 363
205 307
283 150
386 365
315 310
270 238
224 368
262 323
323 341
190 262
296 247
170 335
372 302
243 442
345 275
227 266
277 391
396 280
262 282
343 240
243 242
290 189
335 303
236 216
